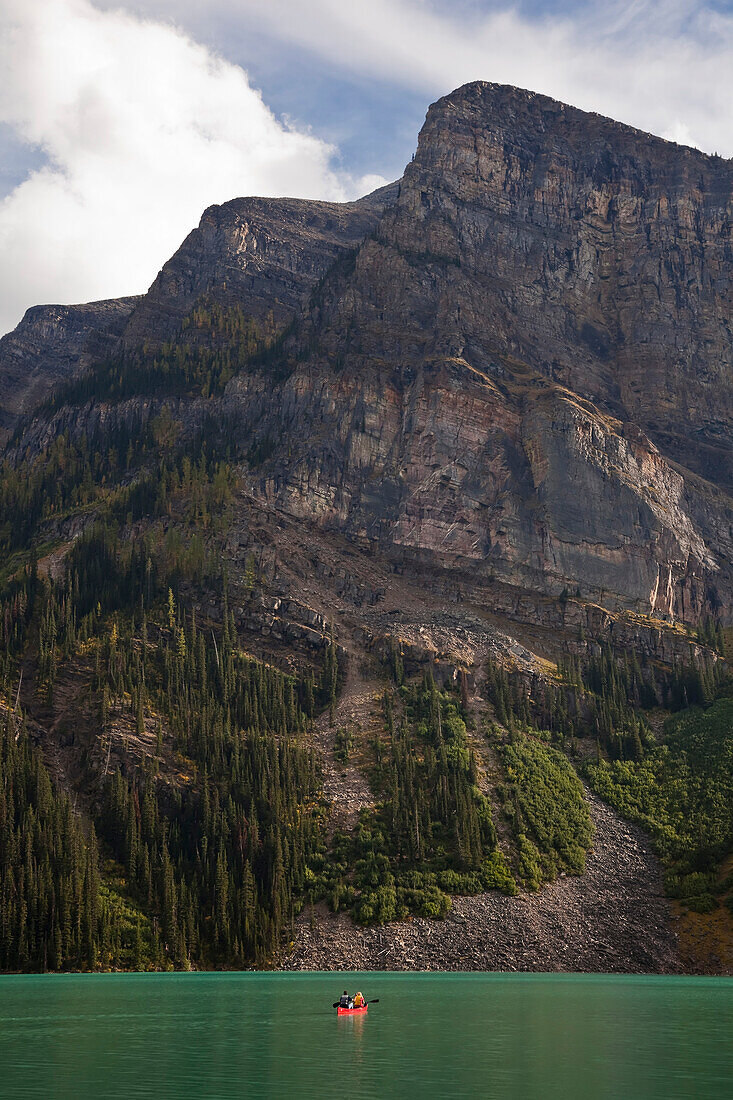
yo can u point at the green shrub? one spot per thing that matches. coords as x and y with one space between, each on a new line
681 793
544 798
344 744
530 864
701 903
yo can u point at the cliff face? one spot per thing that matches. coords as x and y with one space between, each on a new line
264 255
529 365
522 365
51 344
595 253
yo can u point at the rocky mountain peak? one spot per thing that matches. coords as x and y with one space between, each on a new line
518 115
596 254
263 255
532 358
524 366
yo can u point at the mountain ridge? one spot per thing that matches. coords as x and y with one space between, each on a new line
289 242
438 288
52 343
380 527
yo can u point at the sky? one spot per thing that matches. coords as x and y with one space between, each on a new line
122 120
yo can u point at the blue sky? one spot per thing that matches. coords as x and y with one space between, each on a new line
373 112
121 120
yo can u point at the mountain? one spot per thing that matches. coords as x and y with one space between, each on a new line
269 252
534 312
266 254
371 590
51 344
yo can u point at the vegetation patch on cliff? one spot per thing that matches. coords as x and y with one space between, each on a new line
543 798
432 833
682 793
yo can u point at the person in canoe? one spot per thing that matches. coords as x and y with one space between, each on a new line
345 1001
359 1001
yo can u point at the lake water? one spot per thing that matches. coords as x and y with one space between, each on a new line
431 1036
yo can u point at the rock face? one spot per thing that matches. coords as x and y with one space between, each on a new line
517 362
51 344
264 255
528 367
597 255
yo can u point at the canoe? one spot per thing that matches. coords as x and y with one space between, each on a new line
352 1011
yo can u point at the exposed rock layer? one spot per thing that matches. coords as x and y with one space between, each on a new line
549 293
599 255
264 255
51 344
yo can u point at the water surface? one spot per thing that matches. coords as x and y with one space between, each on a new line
431 1036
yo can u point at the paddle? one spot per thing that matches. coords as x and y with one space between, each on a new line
337 1004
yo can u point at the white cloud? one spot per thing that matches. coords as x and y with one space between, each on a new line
141 130
665 66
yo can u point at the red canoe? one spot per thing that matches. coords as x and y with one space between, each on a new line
352 1011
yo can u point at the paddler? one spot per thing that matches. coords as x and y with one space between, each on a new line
344 1000
358 1001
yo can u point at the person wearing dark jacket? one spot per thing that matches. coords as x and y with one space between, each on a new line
344 1001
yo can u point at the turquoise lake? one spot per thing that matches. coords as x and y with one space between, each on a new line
448 1035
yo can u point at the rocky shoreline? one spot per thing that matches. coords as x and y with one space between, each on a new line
613 919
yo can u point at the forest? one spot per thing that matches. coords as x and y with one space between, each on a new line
681 792
201 868
194 828
678 787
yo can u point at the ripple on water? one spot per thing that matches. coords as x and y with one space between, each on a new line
453 1035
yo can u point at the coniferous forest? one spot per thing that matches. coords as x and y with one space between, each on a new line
161 800
198 864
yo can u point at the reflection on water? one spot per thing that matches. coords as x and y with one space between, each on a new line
261 1035
352 1032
